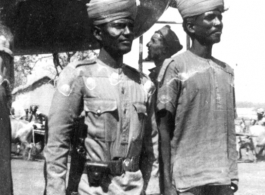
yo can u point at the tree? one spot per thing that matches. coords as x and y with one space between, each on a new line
23 65
61 60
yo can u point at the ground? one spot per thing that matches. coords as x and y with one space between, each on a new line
28 177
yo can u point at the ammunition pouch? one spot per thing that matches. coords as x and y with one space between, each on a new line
96 171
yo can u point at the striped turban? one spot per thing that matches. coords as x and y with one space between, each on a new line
189 8
104 11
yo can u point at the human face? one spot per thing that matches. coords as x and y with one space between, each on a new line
117 36
155 47
208 27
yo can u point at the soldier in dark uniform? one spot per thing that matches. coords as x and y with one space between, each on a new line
6 80
113 99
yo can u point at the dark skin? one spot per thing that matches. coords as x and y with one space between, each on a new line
157 50
116 40
206 30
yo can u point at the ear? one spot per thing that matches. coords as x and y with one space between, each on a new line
97 32
190 26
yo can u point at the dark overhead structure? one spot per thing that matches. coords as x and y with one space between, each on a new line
48 26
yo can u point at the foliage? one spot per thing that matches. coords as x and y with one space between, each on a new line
23 65
62 59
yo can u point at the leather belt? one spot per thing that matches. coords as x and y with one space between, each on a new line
119 166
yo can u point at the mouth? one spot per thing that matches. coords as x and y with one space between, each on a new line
217 33
126 41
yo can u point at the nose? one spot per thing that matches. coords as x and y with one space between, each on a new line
128 30
148 44
218 21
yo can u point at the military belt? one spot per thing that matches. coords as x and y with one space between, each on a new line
119 166
124 164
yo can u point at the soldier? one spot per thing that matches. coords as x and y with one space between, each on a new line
163 44
112 98
6 81
196 110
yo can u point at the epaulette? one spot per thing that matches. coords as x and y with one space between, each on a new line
132 68
82 63
137 71
69 75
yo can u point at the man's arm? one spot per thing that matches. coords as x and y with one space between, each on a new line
166 127
66 106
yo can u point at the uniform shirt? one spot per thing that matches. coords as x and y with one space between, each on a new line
114 103
199 93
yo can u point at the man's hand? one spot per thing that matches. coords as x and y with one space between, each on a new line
170 191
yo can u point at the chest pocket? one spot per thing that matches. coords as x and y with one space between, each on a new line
138 120
101 118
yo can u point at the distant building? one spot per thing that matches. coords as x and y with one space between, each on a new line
37 92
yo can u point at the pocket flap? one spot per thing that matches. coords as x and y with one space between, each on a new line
140 108
99 106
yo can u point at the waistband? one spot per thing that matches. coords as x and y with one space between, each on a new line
119 166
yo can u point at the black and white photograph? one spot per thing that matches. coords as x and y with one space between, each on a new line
132 97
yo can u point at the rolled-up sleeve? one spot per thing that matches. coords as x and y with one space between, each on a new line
169 90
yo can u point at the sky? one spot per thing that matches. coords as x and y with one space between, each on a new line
241 46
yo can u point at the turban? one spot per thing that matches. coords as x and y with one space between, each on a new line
171 40
189 8
104 11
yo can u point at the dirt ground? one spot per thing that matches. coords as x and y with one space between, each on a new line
28 178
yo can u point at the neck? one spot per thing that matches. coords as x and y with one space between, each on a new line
158 63
202 50
110 60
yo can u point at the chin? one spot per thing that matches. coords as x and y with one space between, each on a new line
216 41
125 50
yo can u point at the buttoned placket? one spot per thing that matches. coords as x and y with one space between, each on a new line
125 113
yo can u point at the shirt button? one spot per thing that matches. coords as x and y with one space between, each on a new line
98 111
122 90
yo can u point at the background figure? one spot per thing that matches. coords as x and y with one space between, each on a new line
163 44
260 118
110 100
6 81
196 110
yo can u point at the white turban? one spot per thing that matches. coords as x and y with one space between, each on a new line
189 8
104 11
